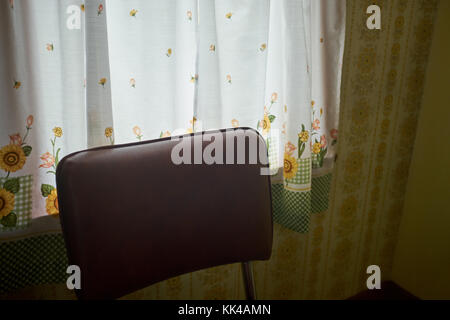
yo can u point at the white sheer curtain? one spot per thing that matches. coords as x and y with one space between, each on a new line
137 70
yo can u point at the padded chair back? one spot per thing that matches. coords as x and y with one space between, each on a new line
131 217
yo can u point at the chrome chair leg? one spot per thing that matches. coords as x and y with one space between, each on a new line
249 281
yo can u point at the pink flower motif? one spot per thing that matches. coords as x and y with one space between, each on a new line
100 9
316 124
334 134
289 148
48 160
323 141
30 121
15 139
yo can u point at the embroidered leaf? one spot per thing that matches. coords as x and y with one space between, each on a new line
57 157
12 185
46 189
27 150
272 118
9 220
301 148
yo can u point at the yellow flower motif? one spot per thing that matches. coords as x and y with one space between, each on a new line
51 204
58 132
212 47
133 12
229 15
234 123
169 52
165 134
6 202
304 136
265 124
102 81
17 84
316 148
290 166
12 158
82 7
312 103
108 132
263 47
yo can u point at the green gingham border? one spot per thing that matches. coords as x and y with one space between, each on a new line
22 203
272 144
303 174
32 261
291 209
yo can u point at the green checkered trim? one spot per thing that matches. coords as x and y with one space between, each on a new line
22 203
320 191
32 261
291 209
314 161
303 175
272 145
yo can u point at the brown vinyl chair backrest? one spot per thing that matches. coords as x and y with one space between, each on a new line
131 217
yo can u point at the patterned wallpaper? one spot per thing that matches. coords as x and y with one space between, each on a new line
382 85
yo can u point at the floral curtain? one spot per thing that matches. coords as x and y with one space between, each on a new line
79 74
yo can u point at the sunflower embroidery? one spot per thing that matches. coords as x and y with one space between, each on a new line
12 158
50 161
169 52
6 202
51 203
263 47
229 15
290 166
133 12
212 48
17 84
265 124
268 117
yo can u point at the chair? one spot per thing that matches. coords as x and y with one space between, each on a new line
131 217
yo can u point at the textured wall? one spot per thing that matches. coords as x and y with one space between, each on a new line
382 86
